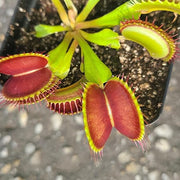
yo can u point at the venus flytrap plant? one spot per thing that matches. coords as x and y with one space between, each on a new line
105 101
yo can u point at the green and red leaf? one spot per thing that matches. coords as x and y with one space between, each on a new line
127 116
22 63
96 118
30 80
67 100
113 105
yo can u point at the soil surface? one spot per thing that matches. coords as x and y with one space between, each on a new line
38 144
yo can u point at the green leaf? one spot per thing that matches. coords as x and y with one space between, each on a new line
113 18
70 5
146 7
61 11
59 56
95 70
106 37
64 68
43 30
87 9
82 62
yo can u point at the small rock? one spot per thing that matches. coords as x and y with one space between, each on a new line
18 178
1 3
48 169
10 12
30 148
168 108
164 131
6 139
150 156
145 170
79 119
123 141
124 157
67 150
38 128
16 163
23 118
5 169
143 160
173 82
77 50
36 158
176 176
75 160
137 177
56 121
4 153
132 168
145 86
165 176
14 144
128 48
79 135
163 145
2 37
14 171
122 59
154 175
59 177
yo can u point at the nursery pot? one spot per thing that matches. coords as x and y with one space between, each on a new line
150 77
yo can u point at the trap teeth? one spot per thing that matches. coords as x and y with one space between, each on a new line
30 80
114 105
67 100
158 42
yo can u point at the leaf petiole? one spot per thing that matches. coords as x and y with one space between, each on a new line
105 37
95 70
70 5
113 18
43 30
61 11
86 10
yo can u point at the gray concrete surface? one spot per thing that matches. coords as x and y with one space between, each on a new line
40 145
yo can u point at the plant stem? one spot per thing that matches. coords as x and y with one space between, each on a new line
113 18
87 9
61 11
70 5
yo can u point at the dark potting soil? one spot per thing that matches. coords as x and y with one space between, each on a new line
148 76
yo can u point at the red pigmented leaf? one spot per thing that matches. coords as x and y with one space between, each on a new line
126 115
29 88
111 106
96 118
20 86
67 100
22 63
71 107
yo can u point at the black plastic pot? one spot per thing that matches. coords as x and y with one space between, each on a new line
20 38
